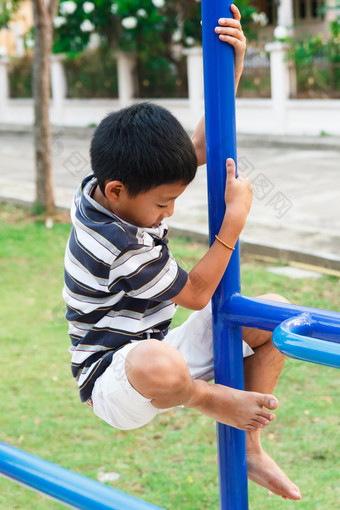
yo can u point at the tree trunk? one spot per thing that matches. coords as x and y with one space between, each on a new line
41 93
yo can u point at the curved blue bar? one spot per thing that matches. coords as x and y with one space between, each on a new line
220 126
63 485
265 314
294 338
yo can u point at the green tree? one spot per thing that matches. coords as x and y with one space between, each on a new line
156 31
7 9
147 27
317 59
44 14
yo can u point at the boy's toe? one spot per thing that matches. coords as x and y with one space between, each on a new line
264 420
269 401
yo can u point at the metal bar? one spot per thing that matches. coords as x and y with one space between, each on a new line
265 314
68 487
220 125
294 338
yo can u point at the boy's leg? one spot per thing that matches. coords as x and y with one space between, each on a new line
159 372
261 372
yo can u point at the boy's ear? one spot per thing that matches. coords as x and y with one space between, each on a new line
114 190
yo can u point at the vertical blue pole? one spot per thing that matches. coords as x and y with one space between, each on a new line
220 124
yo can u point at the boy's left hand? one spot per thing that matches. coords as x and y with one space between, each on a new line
230 30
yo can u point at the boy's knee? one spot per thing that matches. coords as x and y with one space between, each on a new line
155 367
274 297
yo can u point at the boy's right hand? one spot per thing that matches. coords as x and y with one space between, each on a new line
238 196
207 273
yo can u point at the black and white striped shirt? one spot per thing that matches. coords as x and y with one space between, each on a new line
119 280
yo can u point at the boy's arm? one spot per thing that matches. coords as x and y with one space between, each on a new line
205 276
230 30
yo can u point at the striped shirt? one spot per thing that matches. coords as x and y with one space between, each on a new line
119 280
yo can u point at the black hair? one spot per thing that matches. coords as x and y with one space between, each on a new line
143 146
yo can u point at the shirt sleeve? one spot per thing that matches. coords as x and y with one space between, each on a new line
147 272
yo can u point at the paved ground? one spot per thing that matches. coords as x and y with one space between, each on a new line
296 186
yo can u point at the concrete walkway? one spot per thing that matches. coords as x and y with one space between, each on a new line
296 203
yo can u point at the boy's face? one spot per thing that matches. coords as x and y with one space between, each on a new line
147 209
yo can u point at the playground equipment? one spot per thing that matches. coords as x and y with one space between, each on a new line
300 332
296 328
70 488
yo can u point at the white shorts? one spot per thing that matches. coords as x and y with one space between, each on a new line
115 401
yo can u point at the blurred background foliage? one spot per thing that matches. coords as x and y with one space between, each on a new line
156 32
7 9
145 27
317 62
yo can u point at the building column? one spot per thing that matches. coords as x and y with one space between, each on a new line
195 82
4 87
126 63
280 86
332 10
284 29
17 30
59 87
285 15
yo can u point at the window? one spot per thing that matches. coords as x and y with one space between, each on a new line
305 10
302 12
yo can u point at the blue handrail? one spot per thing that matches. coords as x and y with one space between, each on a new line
64 485
295 337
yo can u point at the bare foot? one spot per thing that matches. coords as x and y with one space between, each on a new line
243 410
263 470
246 410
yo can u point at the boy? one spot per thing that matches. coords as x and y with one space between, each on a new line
122 287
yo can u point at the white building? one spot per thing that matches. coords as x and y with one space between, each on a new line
300 16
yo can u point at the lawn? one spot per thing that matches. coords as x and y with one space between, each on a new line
170 462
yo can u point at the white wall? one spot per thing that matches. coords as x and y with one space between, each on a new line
257 116
278 115
303 117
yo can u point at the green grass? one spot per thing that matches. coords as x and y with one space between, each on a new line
171 461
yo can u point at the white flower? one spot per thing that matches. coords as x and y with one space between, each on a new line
158 3
190 41
129 22
87 26
114 8
281 32
67 7
59 21
263 20
260 17
29 43
88 7
177 35
142 13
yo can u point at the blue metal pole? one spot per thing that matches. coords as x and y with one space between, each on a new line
265 314
63 485
220 125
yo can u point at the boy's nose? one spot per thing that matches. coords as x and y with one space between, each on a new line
170 210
